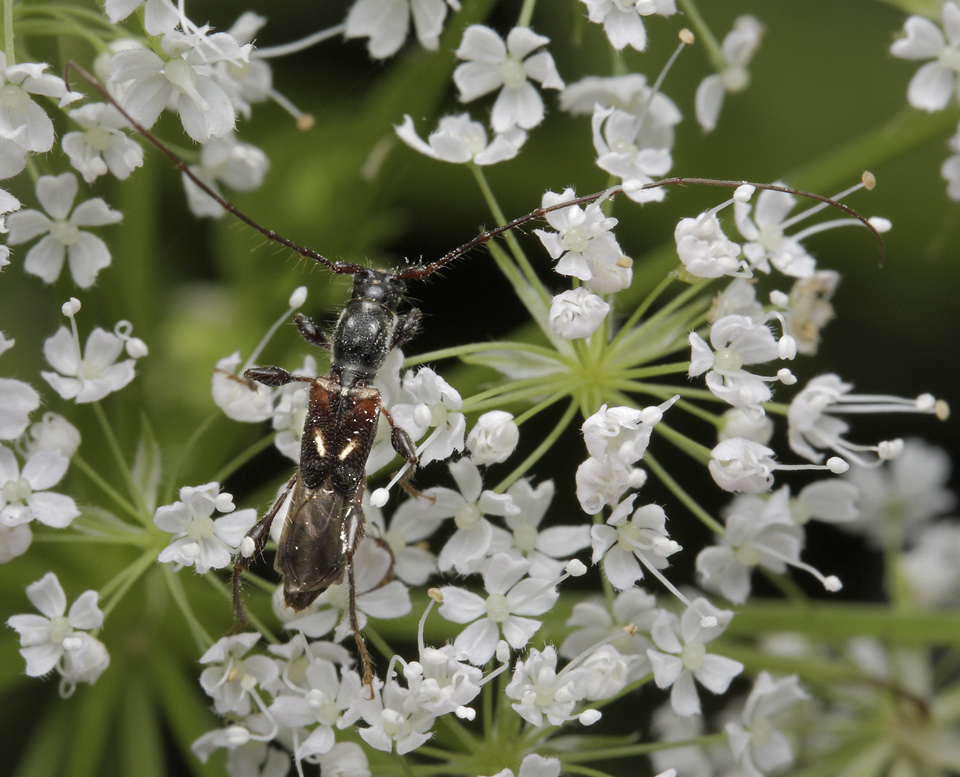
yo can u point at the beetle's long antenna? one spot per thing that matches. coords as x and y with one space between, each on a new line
422 271
342 268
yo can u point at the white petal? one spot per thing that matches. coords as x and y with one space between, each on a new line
931 87
45 259
84 613
47 596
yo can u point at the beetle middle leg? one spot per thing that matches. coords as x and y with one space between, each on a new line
260 533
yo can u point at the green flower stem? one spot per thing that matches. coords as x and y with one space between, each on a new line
699 412
605 753
678 491
220 587
586 770
175 586
128 507
189 446
373 636
459 732
703 34
511 240
526 13
643 307
700 453
837 622
509 394
542 448
8 38
142 513
55 29
540 407
640 373
121 583
460 351
238 461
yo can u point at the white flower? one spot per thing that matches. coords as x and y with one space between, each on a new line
738 423
932 566
89 376
240 399
620 435
584 245
441 682
904 495
737 341
429 402
23 493
8 203
621 19
738 48
321 701
394 721
101 146
631 94
459 139
233 679
593 622
47 639
832 501
813 423
187 75
251 81
759 532
627 150
511 600
766 242
683 657
386 23
14 541
809 309
492 64
159 16
757 746
534 765
577 313
742 465
467 506
705 250
17 401
935 82
544 548
63 238
241 166
21 119
493 438
406 536
602 483
541 692
198 539
627 546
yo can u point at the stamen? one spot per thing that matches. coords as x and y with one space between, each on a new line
686 39
299 45
297 299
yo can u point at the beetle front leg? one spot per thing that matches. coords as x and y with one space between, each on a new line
274 376
259 535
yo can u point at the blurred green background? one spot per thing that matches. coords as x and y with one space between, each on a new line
826 101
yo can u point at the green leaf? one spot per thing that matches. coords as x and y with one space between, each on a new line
44 753
141 752
146 465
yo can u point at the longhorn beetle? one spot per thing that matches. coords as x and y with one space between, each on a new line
324 522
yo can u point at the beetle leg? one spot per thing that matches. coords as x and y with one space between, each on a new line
407 325
260 533
274 376
311 331
355 628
